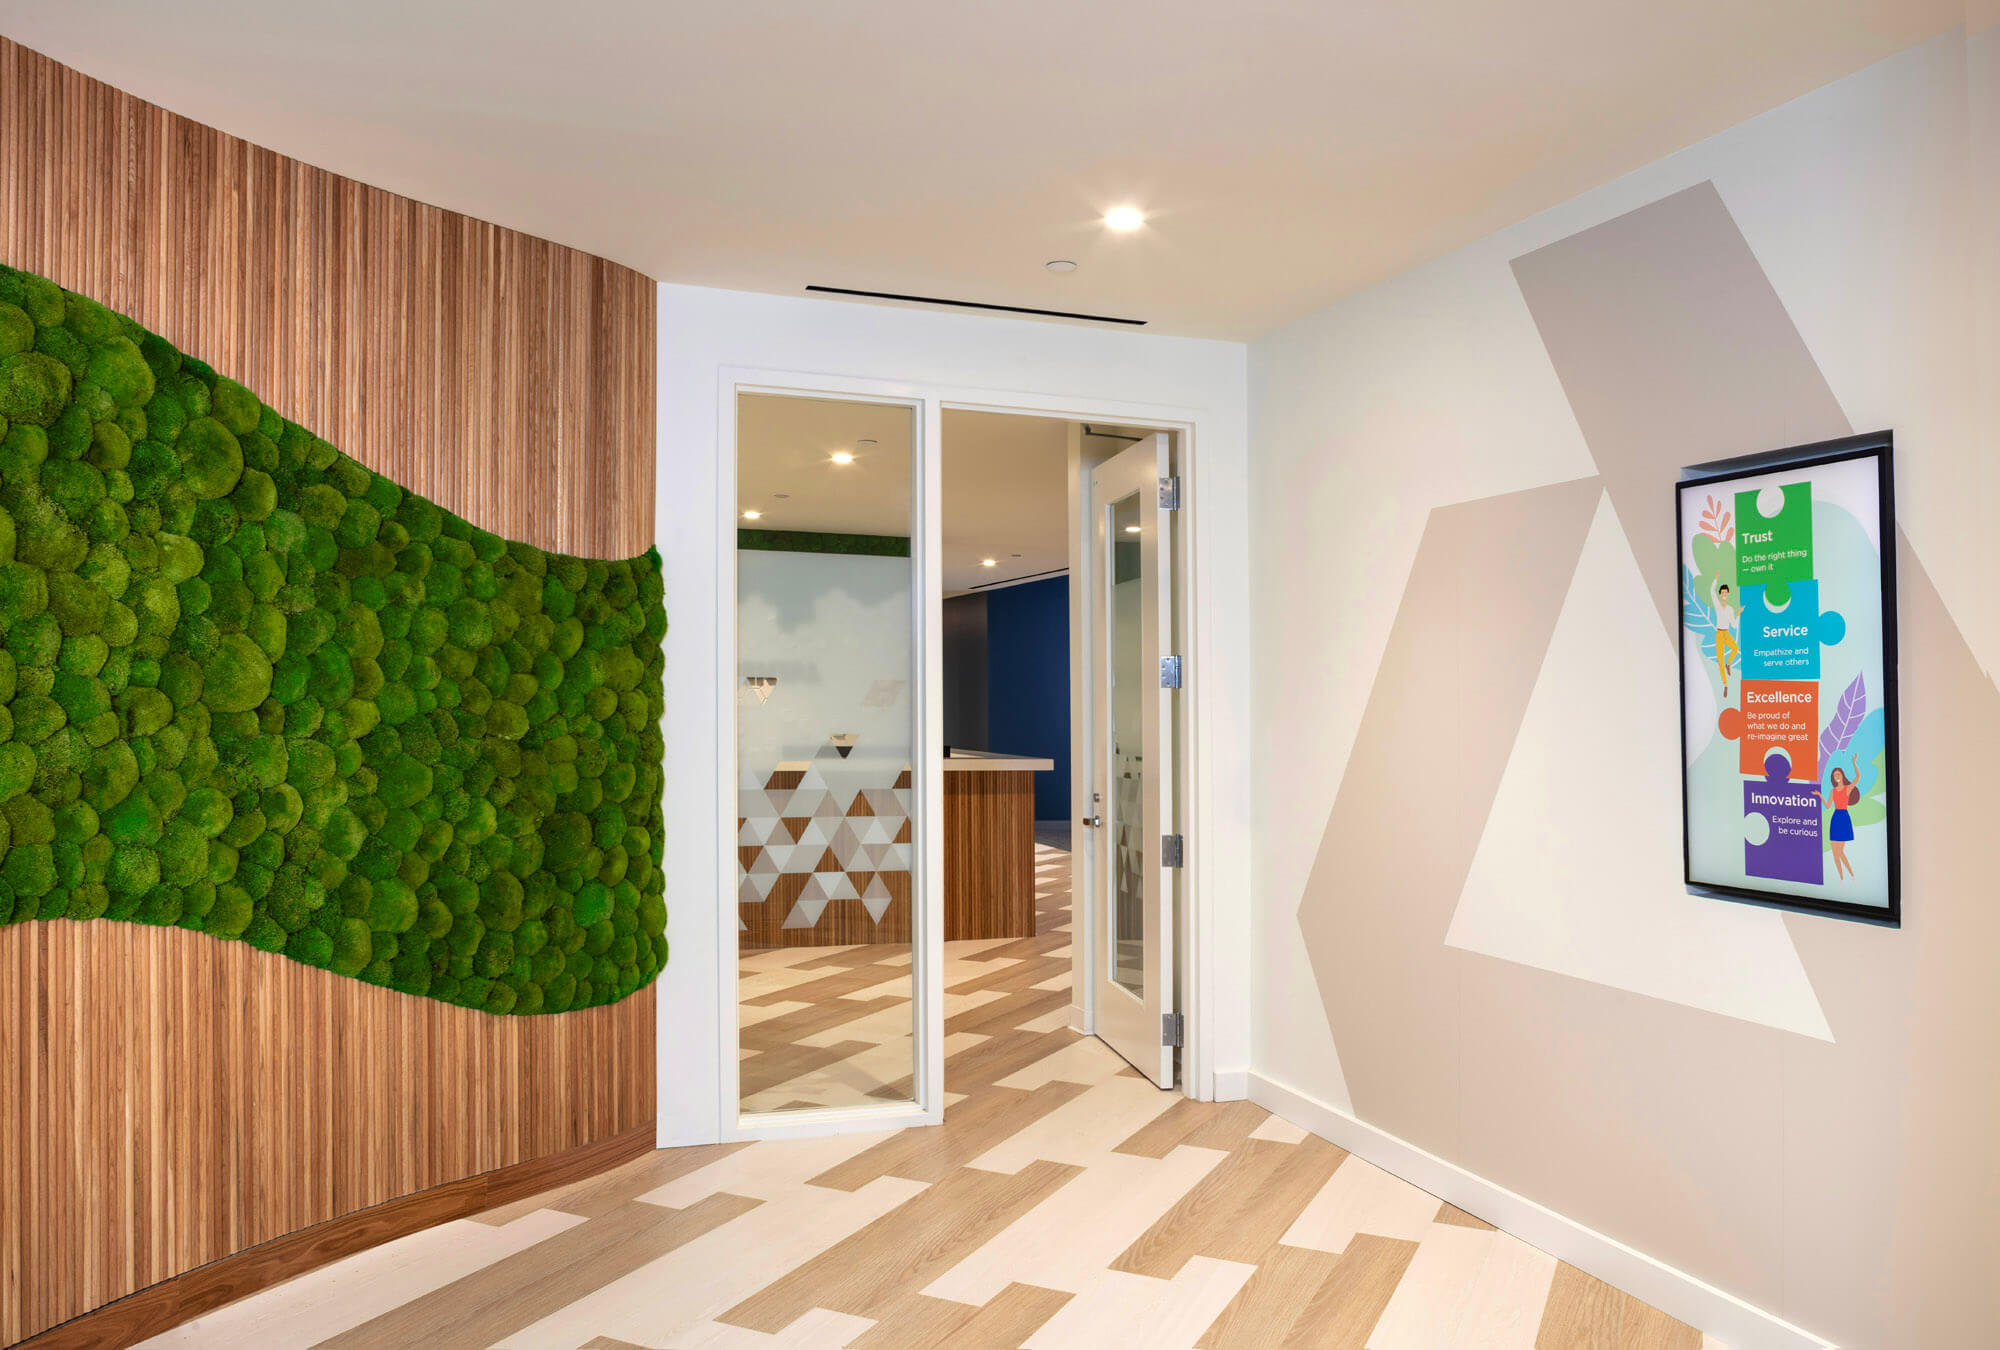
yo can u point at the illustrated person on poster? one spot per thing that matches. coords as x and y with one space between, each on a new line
1726 617
1840 832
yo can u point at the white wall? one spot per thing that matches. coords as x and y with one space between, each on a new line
965 358
1828 1169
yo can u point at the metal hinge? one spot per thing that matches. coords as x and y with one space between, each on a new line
1170 493
1170 672
1171 848
1173 1029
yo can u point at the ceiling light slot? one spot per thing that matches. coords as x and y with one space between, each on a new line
975 304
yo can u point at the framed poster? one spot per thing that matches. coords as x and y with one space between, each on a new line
1788 678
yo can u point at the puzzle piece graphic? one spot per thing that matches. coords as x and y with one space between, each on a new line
1781 640
1781 715
1774 546
1787 815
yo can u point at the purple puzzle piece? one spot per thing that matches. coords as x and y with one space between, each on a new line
1793 850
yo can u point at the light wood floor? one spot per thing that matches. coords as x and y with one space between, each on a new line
1065 1204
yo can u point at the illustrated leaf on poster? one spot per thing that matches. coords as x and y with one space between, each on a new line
1717 522
1698 618
1846 717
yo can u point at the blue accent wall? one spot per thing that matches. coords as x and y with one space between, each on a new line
1027 683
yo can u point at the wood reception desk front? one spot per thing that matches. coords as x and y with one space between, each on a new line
989 844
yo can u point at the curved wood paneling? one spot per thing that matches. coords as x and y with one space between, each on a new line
165 1099
502 376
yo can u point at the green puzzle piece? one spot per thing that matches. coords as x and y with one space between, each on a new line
1773 550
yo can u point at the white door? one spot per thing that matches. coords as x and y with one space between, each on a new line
1131 556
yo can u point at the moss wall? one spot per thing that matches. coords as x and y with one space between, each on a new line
250 687
815 541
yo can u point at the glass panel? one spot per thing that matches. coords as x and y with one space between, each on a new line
1128 749
825 730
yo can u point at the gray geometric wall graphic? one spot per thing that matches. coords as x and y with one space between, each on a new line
1477 611
1685 1133
1672 348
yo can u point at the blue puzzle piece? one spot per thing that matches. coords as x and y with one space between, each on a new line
1781 639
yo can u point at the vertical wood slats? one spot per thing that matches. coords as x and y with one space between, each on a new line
167 1099
507 378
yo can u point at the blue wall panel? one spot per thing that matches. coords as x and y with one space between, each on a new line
1027 683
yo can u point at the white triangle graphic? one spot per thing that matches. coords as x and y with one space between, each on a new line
1578 870
805 913
876 899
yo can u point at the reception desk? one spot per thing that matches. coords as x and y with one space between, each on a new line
989 844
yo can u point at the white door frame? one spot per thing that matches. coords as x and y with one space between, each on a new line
1197 952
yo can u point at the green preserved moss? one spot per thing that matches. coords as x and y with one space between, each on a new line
250 687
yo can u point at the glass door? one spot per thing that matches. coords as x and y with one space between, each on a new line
829 809
1131 554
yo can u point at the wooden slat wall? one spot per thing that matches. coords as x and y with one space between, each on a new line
505 377
166 1099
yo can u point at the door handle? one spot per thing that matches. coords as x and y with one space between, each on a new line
1093 822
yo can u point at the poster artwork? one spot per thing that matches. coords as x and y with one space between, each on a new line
1788 679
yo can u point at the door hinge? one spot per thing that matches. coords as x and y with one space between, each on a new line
1173 1030
1171 848
1170 672
1170 493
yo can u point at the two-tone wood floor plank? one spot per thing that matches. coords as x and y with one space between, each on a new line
1065 1204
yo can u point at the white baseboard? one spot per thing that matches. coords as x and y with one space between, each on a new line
1232 1085
1674 1292
1077 1021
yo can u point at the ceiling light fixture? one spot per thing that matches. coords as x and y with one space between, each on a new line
753 515
843 457
1122 218
1131 529
989 562
1060 265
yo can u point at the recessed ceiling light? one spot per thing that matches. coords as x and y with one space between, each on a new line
843 457
1131 529
865 441
1060 265
989 562
753 515
1124 218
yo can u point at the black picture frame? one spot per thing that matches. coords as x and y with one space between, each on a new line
1880 445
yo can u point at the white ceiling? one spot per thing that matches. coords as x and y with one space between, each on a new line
1288 152
1003 483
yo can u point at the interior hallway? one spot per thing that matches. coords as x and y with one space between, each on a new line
1066 1204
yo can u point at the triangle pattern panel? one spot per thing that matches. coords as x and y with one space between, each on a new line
836 844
